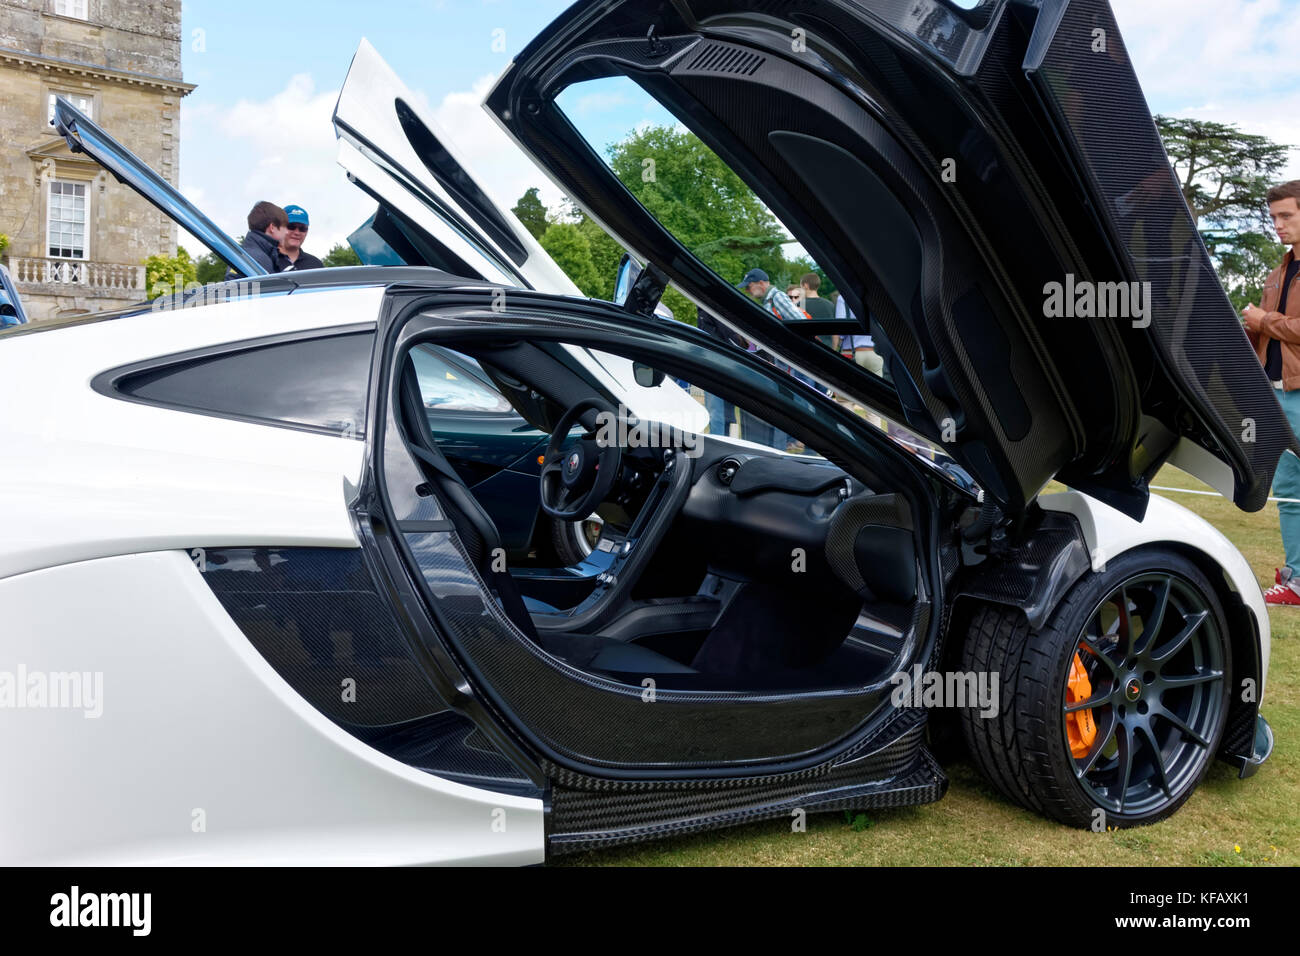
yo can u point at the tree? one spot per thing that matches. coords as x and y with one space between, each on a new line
1225 176
695 196
1243 260
1224 173
701 201
803 265
705 205
210 268
606 254
4 243
565 243
532 213
169 275
340 255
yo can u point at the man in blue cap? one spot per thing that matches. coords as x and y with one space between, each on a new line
291 243
759 287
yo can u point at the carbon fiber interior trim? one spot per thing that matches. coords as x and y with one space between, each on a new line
622 726
890 511
1100 104
315 616
1036 575
898 725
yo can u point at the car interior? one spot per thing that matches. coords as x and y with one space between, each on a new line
723 565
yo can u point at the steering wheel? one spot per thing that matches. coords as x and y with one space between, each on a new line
576 480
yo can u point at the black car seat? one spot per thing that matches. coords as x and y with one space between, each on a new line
478 533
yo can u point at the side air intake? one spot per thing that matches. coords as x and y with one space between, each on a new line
723 58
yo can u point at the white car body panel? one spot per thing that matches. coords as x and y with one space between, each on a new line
197 750
366 104
667 402
193 719
89 476
1110 533
389 162
384 185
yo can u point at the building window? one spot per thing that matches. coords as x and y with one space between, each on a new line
82 101
67 220
73 8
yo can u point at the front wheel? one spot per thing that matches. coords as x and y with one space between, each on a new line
1110 714
575 540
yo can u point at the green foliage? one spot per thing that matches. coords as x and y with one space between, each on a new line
169 275
569 247
606 254
4 243
803 265
859 822
532 213
1225 176
1244 260
696 197
704 204
1224 173
340 255
210 268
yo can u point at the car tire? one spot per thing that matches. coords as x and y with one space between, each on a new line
1161 686
574 541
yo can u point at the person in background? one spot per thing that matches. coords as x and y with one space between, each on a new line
294 235
816 307
814 304
758 286
1274 329
862 348
266 227
721 412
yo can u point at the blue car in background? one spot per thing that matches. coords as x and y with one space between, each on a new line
11 308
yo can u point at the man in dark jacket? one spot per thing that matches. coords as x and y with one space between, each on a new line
267 223
291 242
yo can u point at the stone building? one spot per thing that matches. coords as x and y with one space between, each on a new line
78 238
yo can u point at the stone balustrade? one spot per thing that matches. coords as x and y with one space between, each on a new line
113 279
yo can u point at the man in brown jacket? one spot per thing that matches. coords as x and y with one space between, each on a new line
1274 330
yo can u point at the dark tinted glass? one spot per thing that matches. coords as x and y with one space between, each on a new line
318 382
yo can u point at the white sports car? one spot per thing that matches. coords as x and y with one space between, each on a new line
254 610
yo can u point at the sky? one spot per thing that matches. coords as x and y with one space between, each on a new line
258 124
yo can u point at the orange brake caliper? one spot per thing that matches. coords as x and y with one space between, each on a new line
1080 728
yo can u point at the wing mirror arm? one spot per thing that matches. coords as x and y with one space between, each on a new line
646 291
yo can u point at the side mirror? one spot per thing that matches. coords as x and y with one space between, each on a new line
628 270
646 376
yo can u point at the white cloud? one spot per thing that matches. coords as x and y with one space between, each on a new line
1221 60
1226 60
284 149
1194 48
488 153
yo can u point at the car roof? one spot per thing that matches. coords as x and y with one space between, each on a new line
284 283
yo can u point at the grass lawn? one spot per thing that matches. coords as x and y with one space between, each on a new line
1226 822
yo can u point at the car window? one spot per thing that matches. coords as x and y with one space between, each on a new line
451 385
317 383
707 207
